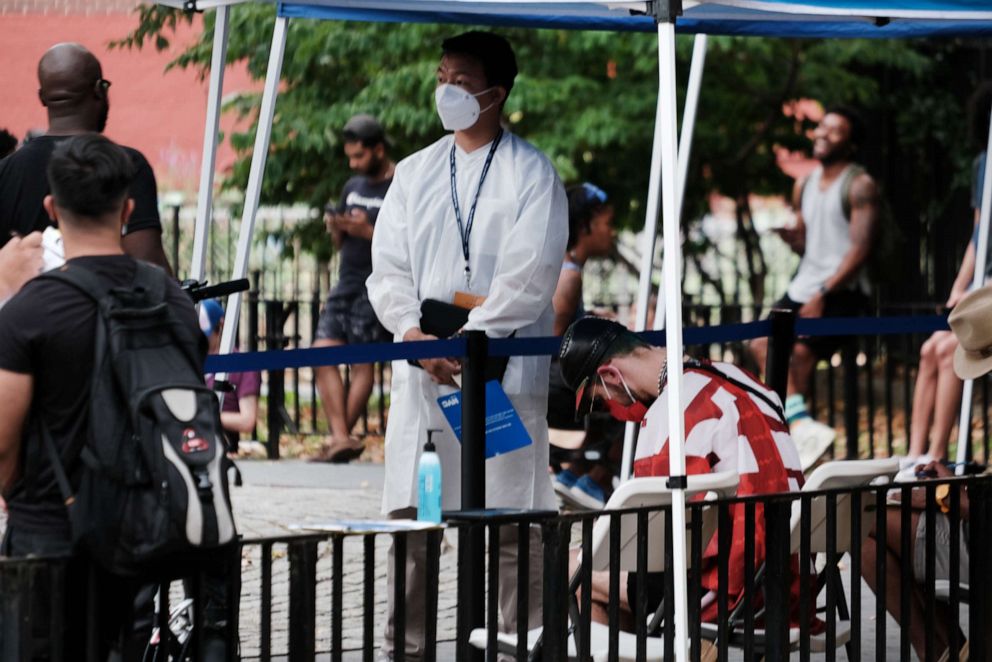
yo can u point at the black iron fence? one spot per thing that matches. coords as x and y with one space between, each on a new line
810 579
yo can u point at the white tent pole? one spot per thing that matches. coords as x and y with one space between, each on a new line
254 189
204 201
647 264
689 113
696 69
651 220
672 266
981 255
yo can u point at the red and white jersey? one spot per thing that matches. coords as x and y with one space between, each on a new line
727 428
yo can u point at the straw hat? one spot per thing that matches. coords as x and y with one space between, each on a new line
971 322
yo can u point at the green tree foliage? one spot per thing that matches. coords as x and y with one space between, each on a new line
587 99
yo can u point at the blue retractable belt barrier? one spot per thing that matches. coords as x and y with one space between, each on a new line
376 352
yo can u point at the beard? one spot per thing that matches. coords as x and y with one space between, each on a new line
836 154
376 166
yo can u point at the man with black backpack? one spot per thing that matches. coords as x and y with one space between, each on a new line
110 446
837 219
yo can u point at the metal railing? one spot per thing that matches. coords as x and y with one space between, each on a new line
821 535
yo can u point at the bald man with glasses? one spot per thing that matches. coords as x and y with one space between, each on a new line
73 90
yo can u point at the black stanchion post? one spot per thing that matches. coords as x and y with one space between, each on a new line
302 600
253 296
780 342
554 640
277 386
778 578
849 355
474 481
980 502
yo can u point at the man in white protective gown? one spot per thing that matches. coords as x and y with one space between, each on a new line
480 212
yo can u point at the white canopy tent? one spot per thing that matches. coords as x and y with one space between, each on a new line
809 18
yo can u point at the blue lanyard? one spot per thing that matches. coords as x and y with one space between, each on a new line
465 229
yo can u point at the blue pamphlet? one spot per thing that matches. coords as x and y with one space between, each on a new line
505 431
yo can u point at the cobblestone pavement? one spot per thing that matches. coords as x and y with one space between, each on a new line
277 498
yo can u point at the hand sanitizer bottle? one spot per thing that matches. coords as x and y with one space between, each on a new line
429 483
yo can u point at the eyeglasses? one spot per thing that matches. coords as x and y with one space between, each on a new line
593 192
102 84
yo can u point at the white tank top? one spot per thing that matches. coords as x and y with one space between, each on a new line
827 238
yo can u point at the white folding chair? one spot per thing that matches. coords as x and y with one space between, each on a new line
830 475
634 493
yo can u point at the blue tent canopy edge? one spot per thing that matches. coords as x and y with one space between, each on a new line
704 18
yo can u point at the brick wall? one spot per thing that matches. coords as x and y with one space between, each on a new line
68 7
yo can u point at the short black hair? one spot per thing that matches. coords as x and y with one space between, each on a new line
584 202
492 51
89 175
8 143
854 119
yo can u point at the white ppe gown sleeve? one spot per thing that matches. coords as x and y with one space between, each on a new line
529 260
392 290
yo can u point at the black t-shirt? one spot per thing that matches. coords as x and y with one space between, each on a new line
48 330
356 253
24 185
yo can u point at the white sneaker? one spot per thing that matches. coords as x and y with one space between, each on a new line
910 461
813 439
907 468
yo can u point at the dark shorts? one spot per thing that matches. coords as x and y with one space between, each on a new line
350 318
845 303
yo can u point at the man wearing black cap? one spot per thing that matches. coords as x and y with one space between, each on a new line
606 363
348 317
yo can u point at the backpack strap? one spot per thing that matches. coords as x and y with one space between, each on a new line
56 461
854 170
151 279
147 276
82 279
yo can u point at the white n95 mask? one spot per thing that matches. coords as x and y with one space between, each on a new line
458 109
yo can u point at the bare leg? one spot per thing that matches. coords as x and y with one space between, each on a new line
332 397
362 379
948 397
924 395
600 595
893 584
801 369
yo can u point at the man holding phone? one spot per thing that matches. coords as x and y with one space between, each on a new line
347 317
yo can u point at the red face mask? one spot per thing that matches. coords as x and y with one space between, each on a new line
633 413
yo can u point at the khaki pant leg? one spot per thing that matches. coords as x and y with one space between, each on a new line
416 563
508 578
